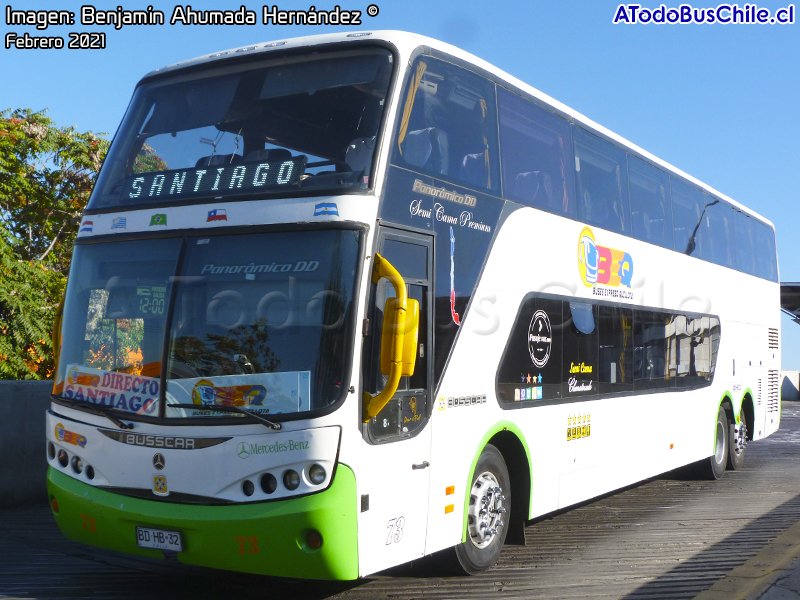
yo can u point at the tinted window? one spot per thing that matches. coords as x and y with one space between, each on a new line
602 182
652 350
687 206
531 366
693 343
651 205
745 230
536 147
596 349
615 371
766 258
448 125
716 232
580 335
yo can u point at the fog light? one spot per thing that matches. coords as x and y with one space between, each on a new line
316 474
248 488
63 459
51 450
314 539
77 464
90 472
291 480
268 483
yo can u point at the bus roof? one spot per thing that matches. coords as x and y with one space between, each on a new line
406 43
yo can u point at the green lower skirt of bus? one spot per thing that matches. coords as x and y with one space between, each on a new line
269 538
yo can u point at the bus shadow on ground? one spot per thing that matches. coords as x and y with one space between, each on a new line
711 564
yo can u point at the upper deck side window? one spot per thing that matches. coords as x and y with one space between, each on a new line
447 125
537 154
267 126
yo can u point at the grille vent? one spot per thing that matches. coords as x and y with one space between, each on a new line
758 399
772 392
773 338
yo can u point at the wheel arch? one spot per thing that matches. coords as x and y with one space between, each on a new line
726 403
749 409
510 442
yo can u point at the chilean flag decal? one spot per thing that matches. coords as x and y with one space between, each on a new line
453 313
218 214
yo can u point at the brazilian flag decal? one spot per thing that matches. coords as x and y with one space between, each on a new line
159 219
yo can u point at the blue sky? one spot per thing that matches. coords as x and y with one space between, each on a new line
721 102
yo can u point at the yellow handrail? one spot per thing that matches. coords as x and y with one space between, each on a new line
374 404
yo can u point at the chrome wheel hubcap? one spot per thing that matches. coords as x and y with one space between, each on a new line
486 510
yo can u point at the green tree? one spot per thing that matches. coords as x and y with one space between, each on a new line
46 176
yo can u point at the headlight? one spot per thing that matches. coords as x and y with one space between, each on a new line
291 480
316 474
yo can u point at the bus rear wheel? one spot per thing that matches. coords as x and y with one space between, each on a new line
715 465
487 513
737 437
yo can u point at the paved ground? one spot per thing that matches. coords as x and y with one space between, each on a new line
672 537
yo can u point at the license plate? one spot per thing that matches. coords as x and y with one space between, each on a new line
147 537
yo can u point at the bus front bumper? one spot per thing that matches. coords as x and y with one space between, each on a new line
269 538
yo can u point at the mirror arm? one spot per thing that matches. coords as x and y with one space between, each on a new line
374 404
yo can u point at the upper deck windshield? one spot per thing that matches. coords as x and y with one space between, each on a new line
258 321
271 126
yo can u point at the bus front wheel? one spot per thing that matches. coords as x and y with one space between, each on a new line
487 513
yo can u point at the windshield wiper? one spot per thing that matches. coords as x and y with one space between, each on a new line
230 409
95 409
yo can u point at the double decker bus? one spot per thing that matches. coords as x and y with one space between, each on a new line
343 301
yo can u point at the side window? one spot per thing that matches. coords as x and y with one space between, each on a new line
601 179
651 203
531 366
580 343
766 258
694 355
687 206
654 351
745 229
536 147
716 232
615 373
448 125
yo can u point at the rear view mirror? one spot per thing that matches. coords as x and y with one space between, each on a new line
409 330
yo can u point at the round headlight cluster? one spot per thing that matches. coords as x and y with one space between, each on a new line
316 474
291 480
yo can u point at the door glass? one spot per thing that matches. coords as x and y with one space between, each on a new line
407 411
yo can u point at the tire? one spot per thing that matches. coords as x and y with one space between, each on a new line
486 533
737 440
715 464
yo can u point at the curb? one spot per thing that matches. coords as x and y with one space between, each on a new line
750 580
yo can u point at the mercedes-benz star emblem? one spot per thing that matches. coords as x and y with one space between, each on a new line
159 461
242 451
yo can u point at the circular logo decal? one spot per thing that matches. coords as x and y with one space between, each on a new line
540 338
159 462
242 450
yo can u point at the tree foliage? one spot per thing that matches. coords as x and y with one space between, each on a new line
46 176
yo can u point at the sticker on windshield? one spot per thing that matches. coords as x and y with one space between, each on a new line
121 391
264 393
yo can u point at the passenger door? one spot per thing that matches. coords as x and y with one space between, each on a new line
395 452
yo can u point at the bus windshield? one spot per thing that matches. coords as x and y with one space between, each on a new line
262 127
257 321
